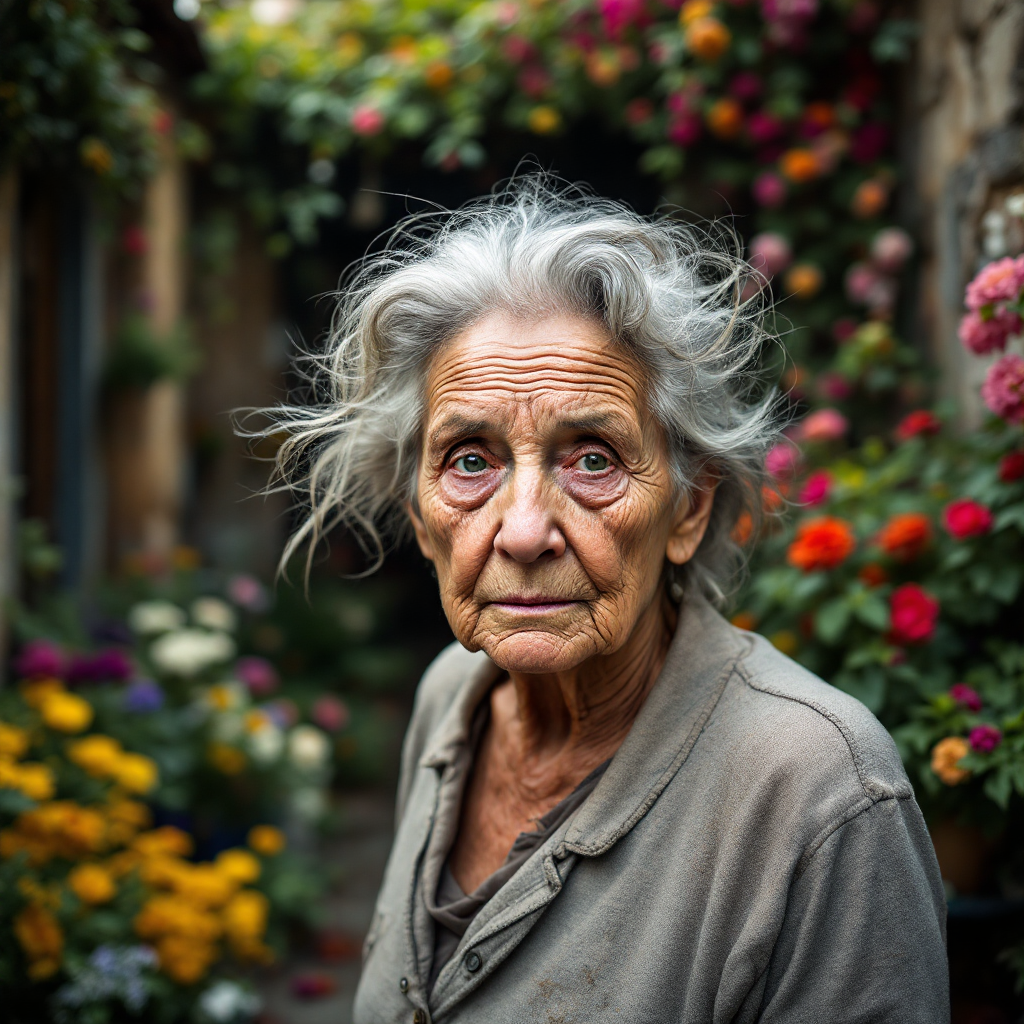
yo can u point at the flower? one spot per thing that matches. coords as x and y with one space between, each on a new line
14 742
40 936
226 1001
544 120
965 518
744 620
150 617
913 613
266 840
799 165
906 535
111 664
308 748
1003 390
782 460
213 613
143 696
921 421
868 143
769 253
984 738
999 281
187 652
804 281
245 922
945 757
66 712
769 189
92 883
330 713
816 488
40 658
785 641
821 543
684 129
258 675
239 865
834 386
164 841
366 120
869 199
872 575
965 697
638 111
725 118
266 740
33 779
136 773
707 38
981 336
248 593
98 755
1011 467
226 759
823 425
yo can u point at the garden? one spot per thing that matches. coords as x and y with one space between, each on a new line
172 748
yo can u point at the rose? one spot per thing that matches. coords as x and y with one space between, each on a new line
965 518
1011 467
984 738
821 543
905 536
913 613
965 697
1003 390
816 488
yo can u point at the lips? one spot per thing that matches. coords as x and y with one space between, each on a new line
533 605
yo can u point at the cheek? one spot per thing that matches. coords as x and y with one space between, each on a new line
462 541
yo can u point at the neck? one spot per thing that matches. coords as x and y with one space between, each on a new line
581 716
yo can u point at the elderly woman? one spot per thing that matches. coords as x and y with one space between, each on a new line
613 804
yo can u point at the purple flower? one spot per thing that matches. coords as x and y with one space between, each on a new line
143 696
965 697
984 738
258 675
111 664
40 658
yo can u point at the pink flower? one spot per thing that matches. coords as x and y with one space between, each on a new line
999 281
769 190
890 249
920 421
618 15
367 120
112 663
983 336
40 658
834 386
330 713
866 286
1011 467
913 614
258 675
763 127
984 738
816 488
965 518
782 460
785 10
770 253
1003 390
248 593
965 697
823 425
684 129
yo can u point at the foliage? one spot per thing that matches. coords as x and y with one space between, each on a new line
139 357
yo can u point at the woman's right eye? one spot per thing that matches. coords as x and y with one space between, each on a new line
471 464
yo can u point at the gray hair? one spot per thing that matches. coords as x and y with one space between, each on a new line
669 293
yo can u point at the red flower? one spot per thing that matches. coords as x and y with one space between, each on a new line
984 738
905 536
965 697
1011 467
913 613
920 421
965 518
873 575
821 543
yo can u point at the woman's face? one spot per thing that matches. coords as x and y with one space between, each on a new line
544 495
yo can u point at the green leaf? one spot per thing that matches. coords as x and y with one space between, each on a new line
998 787
831 621
873 612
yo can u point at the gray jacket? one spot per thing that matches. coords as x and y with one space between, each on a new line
754 852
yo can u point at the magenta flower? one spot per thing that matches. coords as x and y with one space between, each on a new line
330 713
1003 390
834 386
984 738
965 518
816 488
983 336
111 664
258 675
769 190
745 86
965 697
782 460
618 15
40 658
684 129
999 281
764 128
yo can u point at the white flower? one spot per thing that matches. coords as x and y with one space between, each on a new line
187 652
308 803
227 1001
1015 205
149 617
213 613
266 743
308 748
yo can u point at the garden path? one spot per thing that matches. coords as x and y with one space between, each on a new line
359 851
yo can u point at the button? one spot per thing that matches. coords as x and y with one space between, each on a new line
419 1017
473 961
403 986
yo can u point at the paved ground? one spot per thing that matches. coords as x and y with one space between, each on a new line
360 850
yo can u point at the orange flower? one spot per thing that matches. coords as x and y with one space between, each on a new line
905 536
744 620
946 756
872 575
92 883
869 200
693 10
438 75
266 840
725 118
821 543
804 281
799 165
744 529
39 935
707 38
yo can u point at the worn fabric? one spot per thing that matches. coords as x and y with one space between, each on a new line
753 852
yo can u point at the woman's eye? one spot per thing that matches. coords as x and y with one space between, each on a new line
471 464
594 462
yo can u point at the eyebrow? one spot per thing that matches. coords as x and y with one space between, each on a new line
457 426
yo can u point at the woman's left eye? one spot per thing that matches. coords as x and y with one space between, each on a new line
594 462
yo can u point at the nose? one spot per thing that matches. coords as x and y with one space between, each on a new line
528 528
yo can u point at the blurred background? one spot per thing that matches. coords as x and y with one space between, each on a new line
182 185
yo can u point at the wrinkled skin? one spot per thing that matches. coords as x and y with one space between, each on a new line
545 501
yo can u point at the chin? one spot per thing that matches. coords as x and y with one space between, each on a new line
537 651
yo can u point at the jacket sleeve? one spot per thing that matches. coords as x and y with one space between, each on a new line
864 935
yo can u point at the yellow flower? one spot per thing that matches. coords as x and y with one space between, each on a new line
223 696
694 9
164 841
35 691
226 759
544 120
945 760
97 156
124 820
136 773
91 883
13 741
171 915
162 871
40 936
183 959
239 865
36 781
245 919
707 38
204 886
96 754
266 840
65 712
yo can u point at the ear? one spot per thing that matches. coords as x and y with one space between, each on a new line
692 521
420 529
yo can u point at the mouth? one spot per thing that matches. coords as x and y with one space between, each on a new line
533 605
